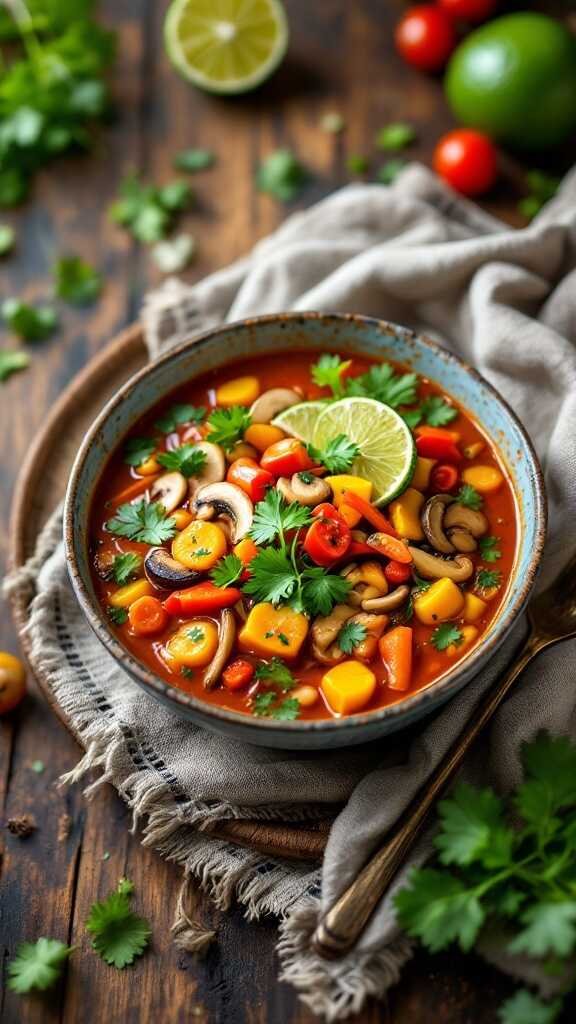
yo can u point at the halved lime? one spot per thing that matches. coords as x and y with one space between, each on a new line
300 420
226 46
387 450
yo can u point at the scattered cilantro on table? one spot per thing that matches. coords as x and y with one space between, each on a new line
12 360
144 521
388 172
118 934
192 160
337 455
356 163
187 459
137 450
445 635
177 415
489 550
227 426
397 135
148 211
281 176
7 239
469 496
37 965
31 323
227 571
76 281
350 636
125 567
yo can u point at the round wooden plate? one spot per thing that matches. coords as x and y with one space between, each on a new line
50 457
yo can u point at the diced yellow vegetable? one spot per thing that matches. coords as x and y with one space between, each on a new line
474 608
442 601
182 518
270 631
200 545
195 644
485 479
348 687
126 596
372 573
241 450
469 634
472 450
405 514
421 477
344 482
149 467
262 435
240 391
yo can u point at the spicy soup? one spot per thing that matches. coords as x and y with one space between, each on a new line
303 536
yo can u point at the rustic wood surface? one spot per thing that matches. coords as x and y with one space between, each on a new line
341 58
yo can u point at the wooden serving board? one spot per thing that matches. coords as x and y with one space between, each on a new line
50 459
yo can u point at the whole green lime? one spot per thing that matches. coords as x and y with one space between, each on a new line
515 79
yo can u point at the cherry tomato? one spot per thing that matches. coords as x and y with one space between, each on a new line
467 160
425 37
326 540
328 511
283 458
443 477
12 682
468 10
238 674
250 478
437 443
397 572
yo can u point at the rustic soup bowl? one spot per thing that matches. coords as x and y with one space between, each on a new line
317 331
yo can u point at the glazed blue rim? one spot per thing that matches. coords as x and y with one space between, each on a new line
440 690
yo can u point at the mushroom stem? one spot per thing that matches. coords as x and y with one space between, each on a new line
387 602
432 567
226 638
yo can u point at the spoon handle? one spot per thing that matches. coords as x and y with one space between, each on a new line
340 928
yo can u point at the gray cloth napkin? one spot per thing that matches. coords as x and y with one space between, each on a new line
506 301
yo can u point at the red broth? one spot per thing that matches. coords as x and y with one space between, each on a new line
276 370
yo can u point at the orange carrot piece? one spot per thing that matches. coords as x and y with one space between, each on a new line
391 547
396 651
133 490
147 616
369 512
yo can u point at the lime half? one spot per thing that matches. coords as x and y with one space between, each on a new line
226 46
387 450
300 420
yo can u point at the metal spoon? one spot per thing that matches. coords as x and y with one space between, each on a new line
552 618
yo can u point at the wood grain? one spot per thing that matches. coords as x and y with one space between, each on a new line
340 58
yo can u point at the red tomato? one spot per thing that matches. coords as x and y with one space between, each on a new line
443 477
238 674
328 511
326 540
425 37
397 572
250 478
286 457
467 160
468 10
437 443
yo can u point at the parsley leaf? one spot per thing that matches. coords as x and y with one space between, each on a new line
227 426
445 634
338 454
437 412
188 459
275 673
196 634
12 361
76 281
7 239
287 710
487 579
273 517
550 929
147 211
525 1008
37 965
32 323
272 576
125 566
470 820
192 160
351 634
322 590
328 371
438 909
395 136
385 385
262 703
118 934
137 450
468 496
281 176
227 571
177 415
142 521
117 615
489 550
388 172
356 163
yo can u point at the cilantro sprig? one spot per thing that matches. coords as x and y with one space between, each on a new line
489 550
143 521
118 934
281 176
187 459
12 360
276 673
487 579
125 567
37 965
274 517
433 410
177 415
383 383
469 496
137 450
268 703
76 281
31 323
227 426
337 455
350 636
328 373
227 571
148 211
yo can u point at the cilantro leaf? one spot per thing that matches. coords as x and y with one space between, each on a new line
192 160
137 450
525 1008
117 615
118 934
142 521
275 673
356 163
177 415
489 549
174 254
388 172
12 361
187 459
7 239
195 634
227 571
412 417
281 176
273 517
322 590
550 781
351 634
438 909
328 372
272 576
37 965
147 211
125 566
385 385
469 497
550 928
470 818
227 426
32 323
337 455
287 710
125 886
262 703
437 412
395 136
76 281
445 634
487 579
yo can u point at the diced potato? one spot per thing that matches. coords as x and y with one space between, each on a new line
485 479
195 644
262 435
342 483
126 596
474 608
469 634
270 631
421 477
405 514
442 601
372 574
199 545
348 687
240 391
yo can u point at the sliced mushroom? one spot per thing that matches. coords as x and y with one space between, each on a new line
309 489
387 602
324 631
462 540
271 402
226 638
226 500
214 468
170 489
284 486
433 518
432 567
165 572
468 518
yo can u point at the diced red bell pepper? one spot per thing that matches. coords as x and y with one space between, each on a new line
397 572
285 457
437 443
238 674
201 599
250 478
369 512
327 540
443 477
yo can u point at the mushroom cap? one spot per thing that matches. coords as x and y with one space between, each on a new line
468 518
166 572
170 489
224 499
432 519
214 467
271 402
312 493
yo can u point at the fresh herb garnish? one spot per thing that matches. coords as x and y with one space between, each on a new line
196 634
445 634
281 176
525 1008
468 496
337 455
273 576
306 477
262 703
32 323
227 571
144 521
186 671
351 634
37 965
489 549
192 160
395 136
147 211
7 239
138 450
12 361
542 187
356 163
488 579
188 459
281 636
76 281
274 517
117 615
174 254
275 673
118 934
177 415
385 385
322 590
287 710
328 372
434 411
125 567
388 172
267 705
227 426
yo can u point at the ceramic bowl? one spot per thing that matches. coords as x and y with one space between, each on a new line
357 335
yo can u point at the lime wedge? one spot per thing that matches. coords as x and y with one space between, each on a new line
387 450
300 420
226 46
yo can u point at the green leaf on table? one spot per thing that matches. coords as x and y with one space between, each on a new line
147 211
470 818
525 1008
356 163
438 909
177 415
549 930
174 254
143 521
37 965
31 323
12 360
281 176
388 172
397 135
7 239
192 160
76 281
118 934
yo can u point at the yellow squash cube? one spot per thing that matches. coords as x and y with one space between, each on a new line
345 482
469 634
240 391
474 608
126 596
485 479
270 631
348 687
421 477
405 514
442 601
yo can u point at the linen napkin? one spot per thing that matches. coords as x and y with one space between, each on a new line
506 301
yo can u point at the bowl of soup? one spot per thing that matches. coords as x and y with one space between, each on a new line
305 530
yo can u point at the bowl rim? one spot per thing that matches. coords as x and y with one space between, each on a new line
436 692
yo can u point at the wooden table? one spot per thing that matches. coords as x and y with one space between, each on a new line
341 58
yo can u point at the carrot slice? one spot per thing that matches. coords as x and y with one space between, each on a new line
396 651
369 512
391 547
138 487
147 616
